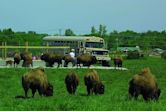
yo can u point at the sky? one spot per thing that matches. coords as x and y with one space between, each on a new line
51 16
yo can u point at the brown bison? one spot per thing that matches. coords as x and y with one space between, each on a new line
145 84
51 58
86 60
36 79
17 59
118 62
27 59
71 81
93 83
10 62
67 59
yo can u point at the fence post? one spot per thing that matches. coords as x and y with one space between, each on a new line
2 50
5 50
26 46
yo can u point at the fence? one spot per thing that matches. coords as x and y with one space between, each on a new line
8 51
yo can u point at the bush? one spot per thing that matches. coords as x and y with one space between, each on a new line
133 55
163 55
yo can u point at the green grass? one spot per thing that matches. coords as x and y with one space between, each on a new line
114 99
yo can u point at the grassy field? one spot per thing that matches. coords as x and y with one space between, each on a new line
114 99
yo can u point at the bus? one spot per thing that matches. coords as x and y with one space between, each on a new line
81 44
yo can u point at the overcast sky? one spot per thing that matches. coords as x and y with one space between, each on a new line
48 16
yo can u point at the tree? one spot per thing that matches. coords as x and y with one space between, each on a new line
102 30
8 32
31 32
93 31
69 32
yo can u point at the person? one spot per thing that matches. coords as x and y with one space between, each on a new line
72 54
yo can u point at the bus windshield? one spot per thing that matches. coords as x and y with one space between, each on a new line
94 45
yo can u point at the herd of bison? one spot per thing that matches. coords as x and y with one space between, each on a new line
51 58
144 83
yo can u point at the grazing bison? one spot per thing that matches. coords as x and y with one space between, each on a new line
10 62
27 59
17 59
71 81
51 58
68 59
118 62
93 83
36 79
145 84
86 60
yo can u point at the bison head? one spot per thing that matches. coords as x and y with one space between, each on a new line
99 88
49 90
44 57
156 94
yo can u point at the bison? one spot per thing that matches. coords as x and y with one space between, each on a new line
36 79
86 60
67 59
10 62
93 83
17 59
144 84
27 59
118 62
51 58
71 81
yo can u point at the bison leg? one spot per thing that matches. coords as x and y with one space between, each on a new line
88 90
32 64
26 93
40 91
65 64
146 97
133 92
69 89
74 89
33 92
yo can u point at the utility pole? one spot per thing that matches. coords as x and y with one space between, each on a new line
117 44
60 32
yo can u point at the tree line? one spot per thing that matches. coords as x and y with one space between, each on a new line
146 40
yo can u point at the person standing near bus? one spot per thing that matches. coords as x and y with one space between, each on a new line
72 54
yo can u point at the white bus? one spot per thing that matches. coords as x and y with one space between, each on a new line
81 44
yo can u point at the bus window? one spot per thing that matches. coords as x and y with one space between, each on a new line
94 45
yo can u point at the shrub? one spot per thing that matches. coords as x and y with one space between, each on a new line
133 55
163 55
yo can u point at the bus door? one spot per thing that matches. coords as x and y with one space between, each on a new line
80 47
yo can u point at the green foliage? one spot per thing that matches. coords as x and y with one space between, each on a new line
114 99
163 55
69 32
19 38
101 32
146 40
133 55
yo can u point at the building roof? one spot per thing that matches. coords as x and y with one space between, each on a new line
128 48
73 38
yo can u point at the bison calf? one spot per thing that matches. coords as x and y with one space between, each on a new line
71 81
93 84
144 84
36 79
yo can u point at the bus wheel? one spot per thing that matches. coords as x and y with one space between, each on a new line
105 63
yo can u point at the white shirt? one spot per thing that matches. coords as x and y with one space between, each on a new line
72 54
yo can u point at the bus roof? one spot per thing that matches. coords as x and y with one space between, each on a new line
73 38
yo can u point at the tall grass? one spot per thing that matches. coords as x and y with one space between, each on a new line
114 99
